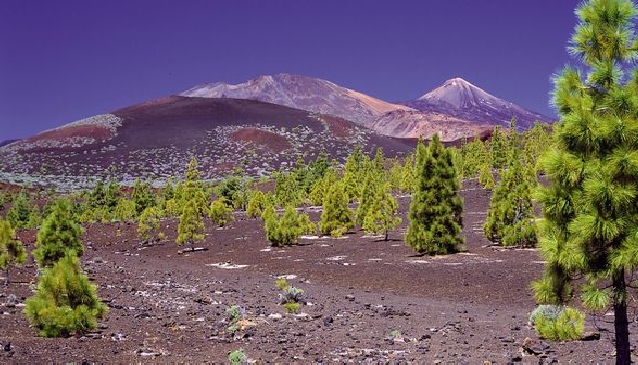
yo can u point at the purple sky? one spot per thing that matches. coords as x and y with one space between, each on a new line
61 61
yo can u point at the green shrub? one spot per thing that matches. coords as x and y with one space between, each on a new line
292 307
558 323
290 297
237 357
234 314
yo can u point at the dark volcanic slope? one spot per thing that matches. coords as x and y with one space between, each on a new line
157 138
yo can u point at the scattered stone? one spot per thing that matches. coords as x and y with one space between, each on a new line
6 346
350 297
327 320
590 336
147 353
12 301
275 316
118 336
533 347
516 358
98 260
203 300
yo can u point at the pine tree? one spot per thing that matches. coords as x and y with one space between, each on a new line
124 210
35 217
486 178
498 148
436 209
590 207
352 172
148 224
368 194
191 225
317 169
287 229
256 204
510 218
394 175
58 235
96 199
382 215
192 190
111 196
18 214
513 141
169 190
474 155
336 217
409 174
321 188
65 301
12 252
142 196
220 212
535 141
287 189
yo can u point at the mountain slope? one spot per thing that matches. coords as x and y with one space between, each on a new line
415 124
463 100
302 92
157 138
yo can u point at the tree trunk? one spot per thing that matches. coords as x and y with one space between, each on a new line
621 325
386 235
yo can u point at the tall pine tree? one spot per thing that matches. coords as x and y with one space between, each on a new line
590 208
436 208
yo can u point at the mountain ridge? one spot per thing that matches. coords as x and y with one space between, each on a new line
301 92
466 108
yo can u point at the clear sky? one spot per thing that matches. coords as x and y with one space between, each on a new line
64 60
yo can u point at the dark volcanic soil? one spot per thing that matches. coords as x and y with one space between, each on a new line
164 307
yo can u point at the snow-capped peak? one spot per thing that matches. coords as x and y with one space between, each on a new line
458 93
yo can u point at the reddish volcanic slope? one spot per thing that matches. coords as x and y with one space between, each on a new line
157 138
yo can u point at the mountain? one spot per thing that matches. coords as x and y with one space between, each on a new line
302 92
414 124
460 99
157 138
454 110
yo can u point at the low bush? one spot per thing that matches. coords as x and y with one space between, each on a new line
237 357
558 323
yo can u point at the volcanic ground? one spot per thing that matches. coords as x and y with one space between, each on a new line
366 300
